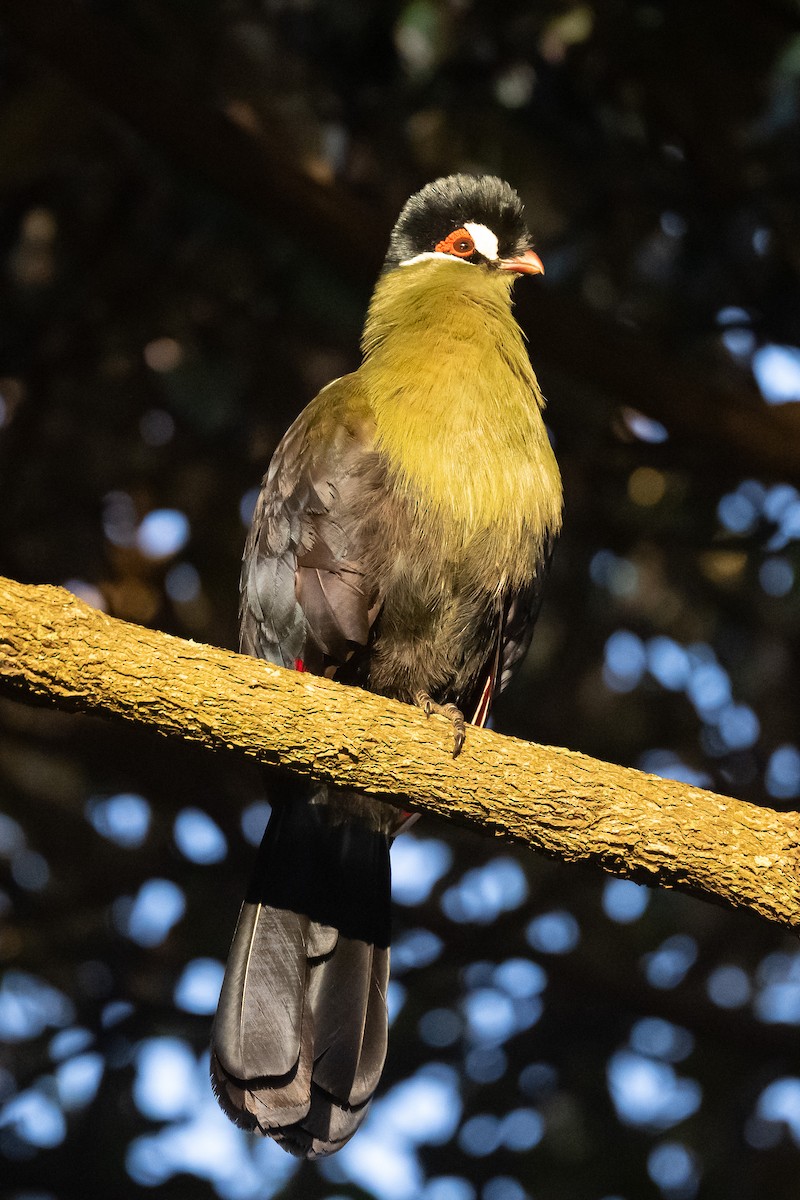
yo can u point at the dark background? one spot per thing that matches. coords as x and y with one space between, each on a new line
194 201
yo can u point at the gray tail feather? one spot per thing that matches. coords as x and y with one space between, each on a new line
300 1035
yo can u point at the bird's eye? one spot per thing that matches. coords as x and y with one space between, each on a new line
458 243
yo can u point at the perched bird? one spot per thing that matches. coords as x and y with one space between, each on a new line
400 542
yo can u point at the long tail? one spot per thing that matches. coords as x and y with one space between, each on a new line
300 1035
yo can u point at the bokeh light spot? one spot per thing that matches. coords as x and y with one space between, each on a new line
783 773
253 821
415 948
163 354
776 576
28 1006
522 1129
182 583
166 1078
625 661
485 1064
674 1170
148 917
668 663
163 532
661 1039
777 372
489 1015
123 818
625 901
520 978
440 1027
417 866
480 1135
729 987
198 837
646 429
647 486
449 1187
78 1079
247 505
12 837
36 1119
30 870
156 427
198 988
666 967
780 1102
485 892
649 1093
556 932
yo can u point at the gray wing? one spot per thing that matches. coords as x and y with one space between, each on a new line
519 619
307 597
300 1035
516 621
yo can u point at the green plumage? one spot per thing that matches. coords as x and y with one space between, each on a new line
400 542
457 411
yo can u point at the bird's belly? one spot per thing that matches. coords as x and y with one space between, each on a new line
444 582
437 631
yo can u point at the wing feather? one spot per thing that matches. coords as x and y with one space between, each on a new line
307 588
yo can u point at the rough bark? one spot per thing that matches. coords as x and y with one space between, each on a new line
55 648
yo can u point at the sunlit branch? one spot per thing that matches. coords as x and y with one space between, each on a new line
57 649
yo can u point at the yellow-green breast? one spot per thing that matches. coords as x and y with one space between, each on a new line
458 410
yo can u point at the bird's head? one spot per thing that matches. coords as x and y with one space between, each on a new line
475 220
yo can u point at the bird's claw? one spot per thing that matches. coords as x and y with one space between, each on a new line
453 714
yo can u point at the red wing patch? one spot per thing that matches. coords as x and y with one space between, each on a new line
481 713
485 702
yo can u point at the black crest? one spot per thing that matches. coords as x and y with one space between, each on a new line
445 204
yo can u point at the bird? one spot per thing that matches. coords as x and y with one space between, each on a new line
399 543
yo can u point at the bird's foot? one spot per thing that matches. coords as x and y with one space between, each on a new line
453 714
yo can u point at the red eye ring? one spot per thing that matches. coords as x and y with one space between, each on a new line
458 243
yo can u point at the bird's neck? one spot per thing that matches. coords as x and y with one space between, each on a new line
456 404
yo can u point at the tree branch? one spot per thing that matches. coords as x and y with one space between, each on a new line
54 647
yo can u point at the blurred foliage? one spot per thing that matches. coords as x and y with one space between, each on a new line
557 1034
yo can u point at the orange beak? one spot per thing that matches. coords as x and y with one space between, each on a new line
528 263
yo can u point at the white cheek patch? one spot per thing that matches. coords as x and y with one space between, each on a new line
435 254
485 241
